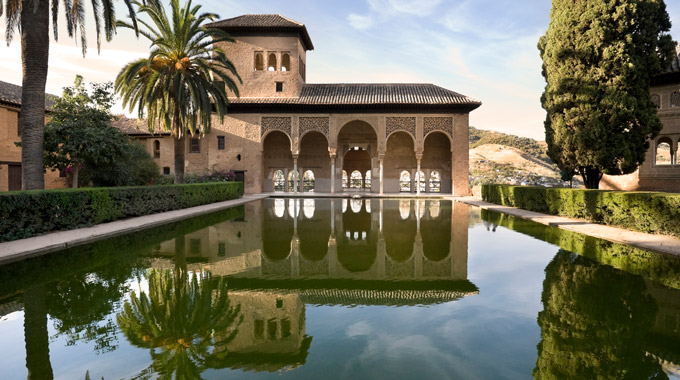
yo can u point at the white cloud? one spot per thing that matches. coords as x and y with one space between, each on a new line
390 7
360 22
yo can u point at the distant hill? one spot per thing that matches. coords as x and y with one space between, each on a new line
497 157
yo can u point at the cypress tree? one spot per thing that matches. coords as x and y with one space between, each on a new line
598 59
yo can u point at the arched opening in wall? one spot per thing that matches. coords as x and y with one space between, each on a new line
399 226
279 180
359 142
285 62
436 232
400 156
345 180
355 180
420 181
292 181
437 159
278 231
405 181
259 61
357 245
367 180
271 62
156 149
314 157
675 99
276 155
435 182
664 156
308 181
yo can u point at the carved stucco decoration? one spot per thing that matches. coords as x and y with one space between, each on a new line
444 124
407 124
282 124
319 124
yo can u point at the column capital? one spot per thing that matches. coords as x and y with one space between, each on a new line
419 155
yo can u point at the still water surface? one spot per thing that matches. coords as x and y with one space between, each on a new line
349 289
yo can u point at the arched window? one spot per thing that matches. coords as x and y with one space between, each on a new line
675 99
285 62
435 182
663 152
259 62
291 180
404 208
367 180
279 181
308 207
308 181
345 180
156 149
271 62
405 181
435 208
279 207
420 180
355 180
293 208
656 99
356 204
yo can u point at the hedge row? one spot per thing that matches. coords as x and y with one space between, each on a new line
641 211
29 213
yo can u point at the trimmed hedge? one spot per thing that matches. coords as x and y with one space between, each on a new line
641 211
29 213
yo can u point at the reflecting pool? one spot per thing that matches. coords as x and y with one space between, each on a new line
344 288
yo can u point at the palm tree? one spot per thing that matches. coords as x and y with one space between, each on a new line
173 87
32 19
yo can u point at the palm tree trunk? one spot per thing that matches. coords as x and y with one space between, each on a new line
35 334
35 46
180 147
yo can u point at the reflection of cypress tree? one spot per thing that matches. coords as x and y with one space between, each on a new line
594 322
177 320
35 334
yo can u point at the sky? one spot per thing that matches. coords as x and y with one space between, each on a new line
485 49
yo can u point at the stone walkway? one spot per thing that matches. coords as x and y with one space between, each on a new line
39 245
658 243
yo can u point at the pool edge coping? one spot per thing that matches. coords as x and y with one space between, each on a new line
663 244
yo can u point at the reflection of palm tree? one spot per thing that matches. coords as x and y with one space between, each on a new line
177 320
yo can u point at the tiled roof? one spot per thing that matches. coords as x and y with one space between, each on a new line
11 94
369 95
264 23
135 127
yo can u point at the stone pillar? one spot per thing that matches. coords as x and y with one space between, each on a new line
381 157
419 157
295 256
459 240
382 255
295 174
460 156
332 156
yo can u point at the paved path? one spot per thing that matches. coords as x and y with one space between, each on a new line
658 243
39 245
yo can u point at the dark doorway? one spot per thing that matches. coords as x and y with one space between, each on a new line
14 177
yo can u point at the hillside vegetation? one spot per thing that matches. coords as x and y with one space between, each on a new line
497 157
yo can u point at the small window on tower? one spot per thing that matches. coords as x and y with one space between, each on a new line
285 62
279 86
156 149
166 170
271 62
220 142
259 61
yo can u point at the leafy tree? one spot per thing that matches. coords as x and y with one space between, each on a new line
134 168
174 87
598 58
79 132
32 19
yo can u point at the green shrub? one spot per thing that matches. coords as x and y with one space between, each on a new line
641 211
29 213
224 176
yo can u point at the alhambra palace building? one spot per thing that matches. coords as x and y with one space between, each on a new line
378 138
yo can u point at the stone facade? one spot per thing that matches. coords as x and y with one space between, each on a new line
279 124
661 168
10 154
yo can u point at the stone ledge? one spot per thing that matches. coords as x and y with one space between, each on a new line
657 243
40 245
